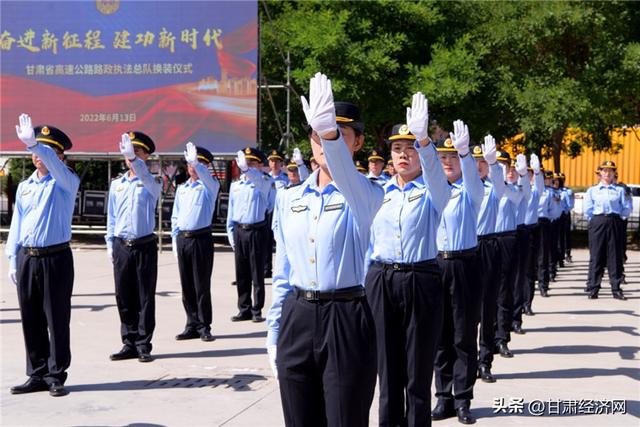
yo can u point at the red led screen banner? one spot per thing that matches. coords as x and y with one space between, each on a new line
176 70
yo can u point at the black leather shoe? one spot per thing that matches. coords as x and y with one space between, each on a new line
187 335
444 409
126 353
240 317
553 277
32 385
517 329
257 319
619 295
543 291
484 373
593 295
56 389
586 289
504 351
568 258
464 415
561 264
145 357
528 311
207 337
233 283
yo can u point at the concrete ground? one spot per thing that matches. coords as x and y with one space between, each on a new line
578 356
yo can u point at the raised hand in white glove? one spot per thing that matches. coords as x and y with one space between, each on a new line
535 163
126 147
418 117
174 248
297 156
320 110
191 154
272 351
489 149
460 137
25 131
241 161
521 164
13 276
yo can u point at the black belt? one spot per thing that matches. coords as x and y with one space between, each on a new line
345 294
137 242
414 266
488 236
544 220
609 215
252 226
194 233
465 253
47 250
530 226
506 233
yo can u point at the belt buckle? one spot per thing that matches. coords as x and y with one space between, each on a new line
396 266
128 243
311 295
32 252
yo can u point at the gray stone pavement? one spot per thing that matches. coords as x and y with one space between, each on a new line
574 349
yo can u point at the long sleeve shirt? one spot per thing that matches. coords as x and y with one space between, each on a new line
195 202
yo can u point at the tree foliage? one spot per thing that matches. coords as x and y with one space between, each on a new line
506 68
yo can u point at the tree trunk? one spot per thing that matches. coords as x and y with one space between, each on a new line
557 148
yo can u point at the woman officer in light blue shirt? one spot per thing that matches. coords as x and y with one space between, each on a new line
403 282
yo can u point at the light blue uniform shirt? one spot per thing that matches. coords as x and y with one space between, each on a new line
404 229
556 204
248 200
544 206
521 210
44 206
513 194
281 180
380 180
325 235
568 200
457 230
132 204
531 216
604 199
490 201
194 203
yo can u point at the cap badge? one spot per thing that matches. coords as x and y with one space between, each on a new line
404 130
45 130
448 143
247 150
477 150
132 135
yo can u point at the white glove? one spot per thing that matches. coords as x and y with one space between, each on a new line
271 351
418 117
241 161
489 149
126 147
320 110
14 279
174 248
535 163
110 254
521 164
25 131
191 154
460 137
297 156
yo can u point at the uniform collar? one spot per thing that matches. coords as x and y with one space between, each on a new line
457 184
34 177
392 184
125 177
311 185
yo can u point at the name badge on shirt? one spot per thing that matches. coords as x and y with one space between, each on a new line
388 199
120 188
334 207
455 193
299 208
140 185
416 197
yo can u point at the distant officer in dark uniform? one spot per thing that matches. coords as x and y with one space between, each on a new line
192 242
488 250
605 207
360 167
297 171
321 339
247 223
132 246
280 181
457 355
531 222
567 201
376 167
555 215
403 283
390 170
40 259
544 227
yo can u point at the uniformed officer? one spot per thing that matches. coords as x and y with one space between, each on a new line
321 339
605 207
488 250
531 222
132 246
390 170
192 242
625 221
567 201
544 228
376 167
506 229
456 358
360 167
276 161
247 223
555 215
280 181
297 171
403 283
40 259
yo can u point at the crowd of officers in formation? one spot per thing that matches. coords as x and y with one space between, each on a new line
425 270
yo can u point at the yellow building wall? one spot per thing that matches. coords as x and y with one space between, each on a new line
580 171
